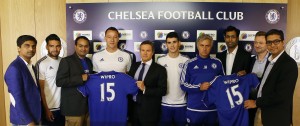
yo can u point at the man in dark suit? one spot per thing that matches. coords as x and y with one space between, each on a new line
152 84
235 59
275 94
258 65
20 77
72 72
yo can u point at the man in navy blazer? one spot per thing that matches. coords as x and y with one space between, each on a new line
152 84
20 77
235 59
275 93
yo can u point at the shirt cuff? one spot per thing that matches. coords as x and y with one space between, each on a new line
144 90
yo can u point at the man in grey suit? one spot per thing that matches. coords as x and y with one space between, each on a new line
275 94
72 72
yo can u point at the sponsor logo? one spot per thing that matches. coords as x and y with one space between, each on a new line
125 34
86 33
185 35
248 47
102 35
293 49
79 16
187 47
196 67
143 34
212 33
122 46
214 66
205 67
120 59
97 46
163 47
272 16
51 68
180 65
222 46
136 46
247 35
161 34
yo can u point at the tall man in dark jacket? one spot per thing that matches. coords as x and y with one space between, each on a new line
275 94
72 72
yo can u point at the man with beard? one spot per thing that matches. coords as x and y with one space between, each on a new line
20 77
47 68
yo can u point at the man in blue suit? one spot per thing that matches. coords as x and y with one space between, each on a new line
20 77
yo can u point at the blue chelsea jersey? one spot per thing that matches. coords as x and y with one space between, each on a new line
107 97
228 93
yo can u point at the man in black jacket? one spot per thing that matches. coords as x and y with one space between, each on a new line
72 72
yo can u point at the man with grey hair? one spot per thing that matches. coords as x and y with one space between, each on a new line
196 74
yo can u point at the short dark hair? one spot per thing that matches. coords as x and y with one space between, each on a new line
113 29
23 38
232 28
52 37
275 32
148 42
82 37
172 35
260 33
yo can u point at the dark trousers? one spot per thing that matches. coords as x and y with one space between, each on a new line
59 119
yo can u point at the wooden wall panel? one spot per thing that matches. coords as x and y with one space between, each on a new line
50 18
2 101
293 30
17 18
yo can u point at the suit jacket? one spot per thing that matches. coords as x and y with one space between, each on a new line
25 105
277 93
69 77
149 102
241 61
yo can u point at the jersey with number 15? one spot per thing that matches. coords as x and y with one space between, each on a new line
107 97
228 93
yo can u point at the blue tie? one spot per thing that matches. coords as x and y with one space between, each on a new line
140 78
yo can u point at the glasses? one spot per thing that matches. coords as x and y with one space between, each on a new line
275 42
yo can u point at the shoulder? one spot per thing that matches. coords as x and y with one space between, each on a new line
41 61
191 60
102 51
161 58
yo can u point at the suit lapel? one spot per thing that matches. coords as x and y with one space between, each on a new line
276 65
235 62
25 70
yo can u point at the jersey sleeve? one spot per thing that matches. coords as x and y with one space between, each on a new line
42 70
94 61
185 81
83 90
213 90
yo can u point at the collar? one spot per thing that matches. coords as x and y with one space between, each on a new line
272 61
148 62
234 51
26 62
266 56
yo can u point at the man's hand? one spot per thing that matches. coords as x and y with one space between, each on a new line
241 73
204 86
140 85
85 77
49 115
248 104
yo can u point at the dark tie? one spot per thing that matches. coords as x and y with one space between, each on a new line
140 78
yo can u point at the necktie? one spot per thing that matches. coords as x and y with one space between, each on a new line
140 78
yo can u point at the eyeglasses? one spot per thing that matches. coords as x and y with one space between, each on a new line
275 42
